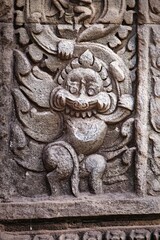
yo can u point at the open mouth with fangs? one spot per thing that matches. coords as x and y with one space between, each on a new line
79 114
82 106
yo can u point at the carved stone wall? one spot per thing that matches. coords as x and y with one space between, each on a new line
79 119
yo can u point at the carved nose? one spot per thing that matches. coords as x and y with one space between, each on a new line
83 88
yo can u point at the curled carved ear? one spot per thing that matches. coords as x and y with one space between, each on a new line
103 102
58 99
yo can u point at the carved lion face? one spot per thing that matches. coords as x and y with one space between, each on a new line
82 91
83 82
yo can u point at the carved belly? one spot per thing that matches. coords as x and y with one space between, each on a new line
86 135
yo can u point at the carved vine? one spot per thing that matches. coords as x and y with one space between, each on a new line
154 172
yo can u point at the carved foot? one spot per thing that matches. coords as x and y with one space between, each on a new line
61 14
96 165
61 162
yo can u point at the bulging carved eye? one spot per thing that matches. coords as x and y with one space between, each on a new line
73 90
91 92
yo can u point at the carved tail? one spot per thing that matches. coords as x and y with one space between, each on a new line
75 174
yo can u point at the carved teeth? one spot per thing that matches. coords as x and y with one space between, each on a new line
77 114
72 113
89 113
84 114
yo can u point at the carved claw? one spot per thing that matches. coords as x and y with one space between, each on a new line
66 49
62 12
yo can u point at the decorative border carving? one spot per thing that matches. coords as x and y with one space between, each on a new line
120 233
149 11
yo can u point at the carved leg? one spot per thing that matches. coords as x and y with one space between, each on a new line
85 13
96 165
56 184
64 3
59 4
58 161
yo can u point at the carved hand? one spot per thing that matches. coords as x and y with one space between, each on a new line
66 49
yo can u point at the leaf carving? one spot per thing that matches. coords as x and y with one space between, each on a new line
155 117
155 163
38 86
96 31
43 126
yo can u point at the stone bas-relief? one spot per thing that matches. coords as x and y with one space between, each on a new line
84 100
79 114
73 124
149 11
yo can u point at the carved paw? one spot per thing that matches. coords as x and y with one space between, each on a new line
96 165
66 49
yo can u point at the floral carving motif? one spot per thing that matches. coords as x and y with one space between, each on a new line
154 171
